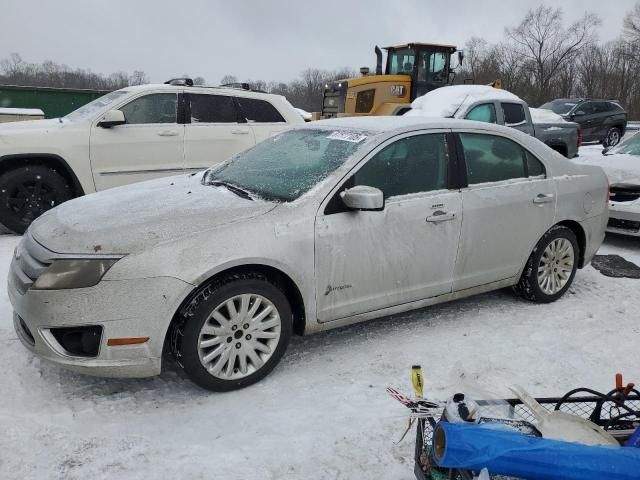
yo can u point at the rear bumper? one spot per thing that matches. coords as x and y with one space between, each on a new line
594 228
123 308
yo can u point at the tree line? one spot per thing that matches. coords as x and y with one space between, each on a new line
542 58
539 59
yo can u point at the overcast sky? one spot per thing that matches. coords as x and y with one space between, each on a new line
268 40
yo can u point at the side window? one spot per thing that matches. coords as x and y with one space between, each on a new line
154 108
259 111
587 108
485 112
212 109
492 159
410 165
535 168
513 114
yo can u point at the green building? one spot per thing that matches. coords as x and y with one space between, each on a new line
54 102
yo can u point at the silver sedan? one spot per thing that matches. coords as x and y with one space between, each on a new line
322 226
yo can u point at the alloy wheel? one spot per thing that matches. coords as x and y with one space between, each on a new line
556 266
614 137
239 336
31 199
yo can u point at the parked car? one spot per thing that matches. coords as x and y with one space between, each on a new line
622 166
487 104
603 121
129 135
329 224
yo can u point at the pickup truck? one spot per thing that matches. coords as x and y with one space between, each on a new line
487 104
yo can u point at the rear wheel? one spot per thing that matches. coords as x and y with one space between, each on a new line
551 267
235 333
27 192
614 135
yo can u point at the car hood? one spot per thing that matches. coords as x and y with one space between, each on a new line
136 217
30 126
620 168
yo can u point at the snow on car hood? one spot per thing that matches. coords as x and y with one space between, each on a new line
620 168
135 217
446 101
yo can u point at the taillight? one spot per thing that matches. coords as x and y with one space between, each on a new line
579 137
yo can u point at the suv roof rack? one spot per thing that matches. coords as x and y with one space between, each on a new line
242 86
186 82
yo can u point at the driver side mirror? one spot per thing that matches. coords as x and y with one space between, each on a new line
112 118
362 197
578 113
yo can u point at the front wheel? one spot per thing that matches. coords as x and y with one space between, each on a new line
551 266
27 192
235 333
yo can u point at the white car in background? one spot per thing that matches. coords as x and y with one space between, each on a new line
321 226
622 166
129 135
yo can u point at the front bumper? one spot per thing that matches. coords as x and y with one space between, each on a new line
624 218
123 308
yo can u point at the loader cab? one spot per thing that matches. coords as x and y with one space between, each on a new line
428 65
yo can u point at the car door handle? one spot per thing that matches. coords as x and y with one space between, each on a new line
240 132
543 198
440 216
168 133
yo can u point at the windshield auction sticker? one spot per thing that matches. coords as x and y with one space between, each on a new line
353 137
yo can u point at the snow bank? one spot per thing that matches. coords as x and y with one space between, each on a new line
540 115
446 101
22 111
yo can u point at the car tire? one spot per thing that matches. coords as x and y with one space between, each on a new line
614 135
27 192
551 266
220 351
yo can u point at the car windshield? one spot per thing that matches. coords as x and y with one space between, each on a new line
561 107
288 165
99 103
631 146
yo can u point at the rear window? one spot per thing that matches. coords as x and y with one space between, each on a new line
259 111
212 109
561 107
513 114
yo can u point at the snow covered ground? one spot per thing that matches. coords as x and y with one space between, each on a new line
323 413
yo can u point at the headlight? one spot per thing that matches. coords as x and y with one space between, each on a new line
64 274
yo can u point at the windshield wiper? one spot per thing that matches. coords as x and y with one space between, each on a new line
232 188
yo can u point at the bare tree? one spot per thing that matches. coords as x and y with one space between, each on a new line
545 44
227 79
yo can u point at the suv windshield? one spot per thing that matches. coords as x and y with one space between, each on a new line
90 108
290 164
561 107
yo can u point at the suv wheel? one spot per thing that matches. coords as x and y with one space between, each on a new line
613 137
27 192
551 267
235 333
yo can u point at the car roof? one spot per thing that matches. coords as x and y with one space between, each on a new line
401 123
200 88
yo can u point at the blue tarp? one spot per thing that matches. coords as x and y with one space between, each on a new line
505 452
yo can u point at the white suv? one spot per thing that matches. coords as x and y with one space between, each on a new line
129 135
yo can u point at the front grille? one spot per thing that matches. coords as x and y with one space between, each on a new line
29 262
334 99
620 224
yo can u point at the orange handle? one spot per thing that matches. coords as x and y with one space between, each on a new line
627 389
618 381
